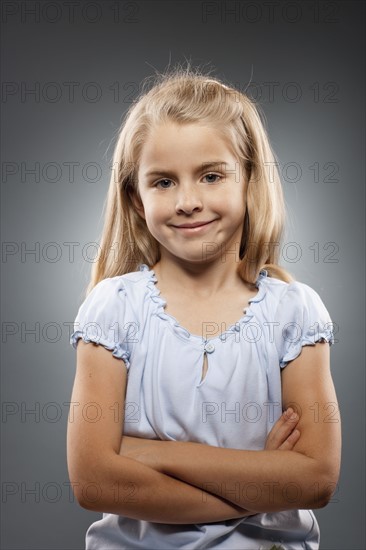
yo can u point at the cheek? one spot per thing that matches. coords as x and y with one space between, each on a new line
155 211
158 205
234 202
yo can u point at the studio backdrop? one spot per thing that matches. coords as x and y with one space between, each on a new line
70 70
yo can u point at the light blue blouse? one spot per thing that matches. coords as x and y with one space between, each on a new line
234 406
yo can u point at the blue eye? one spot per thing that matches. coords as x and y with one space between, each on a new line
157 183
214 175
168 180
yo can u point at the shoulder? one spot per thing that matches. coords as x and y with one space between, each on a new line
114 297
119 285
120 297
110 311
291 295
295 304
299 315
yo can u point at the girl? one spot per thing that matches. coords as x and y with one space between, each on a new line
196 346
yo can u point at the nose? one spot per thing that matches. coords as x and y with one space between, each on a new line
188 198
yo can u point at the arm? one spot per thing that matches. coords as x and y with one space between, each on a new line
264 481
152 452
102 480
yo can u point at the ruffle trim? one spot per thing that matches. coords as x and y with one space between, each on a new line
326 335
117 350
160 303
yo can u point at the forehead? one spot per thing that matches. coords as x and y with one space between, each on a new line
189 143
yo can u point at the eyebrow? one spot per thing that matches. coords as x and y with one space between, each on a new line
203 166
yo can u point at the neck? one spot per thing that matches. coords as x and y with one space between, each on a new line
201 280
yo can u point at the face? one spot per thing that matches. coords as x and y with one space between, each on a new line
179 186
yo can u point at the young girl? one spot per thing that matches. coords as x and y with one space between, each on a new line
196 346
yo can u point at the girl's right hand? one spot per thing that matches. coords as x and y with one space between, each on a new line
284 434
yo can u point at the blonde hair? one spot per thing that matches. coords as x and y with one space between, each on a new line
189 96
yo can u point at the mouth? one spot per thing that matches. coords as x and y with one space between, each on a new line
193 227
195 224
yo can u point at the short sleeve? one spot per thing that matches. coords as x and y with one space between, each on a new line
301 320
102 319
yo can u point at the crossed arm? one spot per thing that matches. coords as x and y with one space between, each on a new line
304 475
214 484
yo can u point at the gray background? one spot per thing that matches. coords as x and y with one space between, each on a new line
304 62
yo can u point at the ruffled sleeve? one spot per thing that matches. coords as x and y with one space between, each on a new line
102 319
301 320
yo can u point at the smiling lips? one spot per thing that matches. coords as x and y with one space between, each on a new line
193 228
192 225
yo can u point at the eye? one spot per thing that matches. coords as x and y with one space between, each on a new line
213 175
160 181
165 180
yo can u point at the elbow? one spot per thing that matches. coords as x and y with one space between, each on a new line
83 491
80 499
80 495
89 495
88 485
75 481
329 488
324 497
96 488
325 487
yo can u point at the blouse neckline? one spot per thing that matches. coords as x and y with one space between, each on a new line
160 302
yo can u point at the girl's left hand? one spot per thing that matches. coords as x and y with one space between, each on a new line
284 434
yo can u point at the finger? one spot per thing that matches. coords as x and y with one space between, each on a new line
281 430
284 426
290 442
290 415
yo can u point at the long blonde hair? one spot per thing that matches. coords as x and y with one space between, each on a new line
189 96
